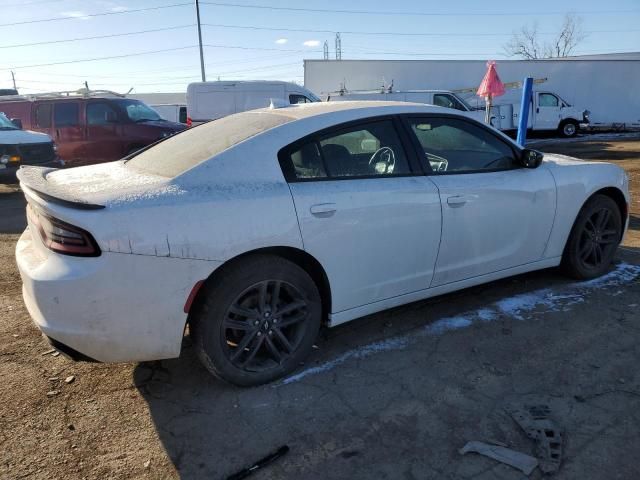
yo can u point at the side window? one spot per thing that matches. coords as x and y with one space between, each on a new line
100 114
370 149
446 100
182 115
66 114
43 115
366 150
452 145
548 100
295 98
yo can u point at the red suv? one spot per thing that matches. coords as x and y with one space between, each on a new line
91 130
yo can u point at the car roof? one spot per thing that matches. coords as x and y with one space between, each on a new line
369 107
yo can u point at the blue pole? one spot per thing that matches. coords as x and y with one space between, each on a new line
527 88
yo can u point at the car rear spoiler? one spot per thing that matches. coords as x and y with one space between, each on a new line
35 179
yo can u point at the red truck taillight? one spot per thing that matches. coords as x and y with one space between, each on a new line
62 237
189 122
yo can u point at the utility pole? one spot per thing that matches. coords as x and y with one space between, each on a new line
338 47
204 76
13 77
325 50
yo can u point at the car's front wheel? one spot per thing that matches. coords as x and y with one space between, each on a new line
594 239
257 320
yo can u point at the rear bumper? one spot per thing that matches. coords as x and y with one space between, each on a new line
113 308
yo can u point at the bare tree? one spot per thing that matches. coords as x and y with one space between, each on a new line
527 44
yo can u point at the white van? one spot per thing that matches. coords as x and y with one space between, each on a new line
23 147
547 112
174 112
441 98
211 100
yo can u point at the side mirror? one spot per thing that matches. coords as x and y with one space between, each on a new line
17 122
531 158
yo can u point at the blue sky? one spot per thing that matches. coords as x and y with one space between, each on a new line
455 31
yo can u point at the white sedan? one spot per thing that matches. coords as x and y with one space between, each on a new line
256 229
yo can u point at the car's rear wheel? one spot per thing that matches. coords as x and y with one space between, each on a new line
594 239
257 321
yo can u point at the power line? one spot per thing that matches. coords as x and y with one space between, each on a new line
100 58
404 13
284 29
237 47
139 32
165 69
92 15
417 34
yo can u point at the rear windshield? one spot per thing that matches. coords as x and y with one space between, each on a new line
178 154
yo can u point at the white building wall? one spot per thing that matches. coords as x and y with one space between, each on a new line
609 88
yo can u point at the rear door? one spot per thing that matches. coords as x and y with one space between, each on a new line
68 131
364 211
495 214
105 141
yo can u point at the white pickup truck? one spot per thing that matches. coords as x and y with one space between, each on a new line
23 147
548 112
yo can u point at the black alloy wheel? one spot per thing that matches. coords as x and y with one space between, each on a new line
256 320
594 238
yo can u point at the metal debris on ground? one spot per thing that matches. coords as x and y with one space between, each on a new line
48 352
260 464
70 379
523 462
536 422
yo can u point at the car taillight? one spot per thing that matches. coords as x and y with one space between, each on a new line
62 237
189 122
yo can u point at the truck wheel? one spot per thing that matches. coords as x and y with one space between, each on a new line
568 128
257 321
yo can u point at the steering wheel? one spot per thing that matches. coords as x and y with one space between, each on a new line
383 155
438 163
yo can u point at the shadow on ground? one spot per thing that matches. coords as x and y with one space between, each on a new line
375 408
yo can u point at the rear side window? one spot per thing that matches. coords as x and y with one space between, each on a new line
366 150
182 115
179 153
43 115
66 114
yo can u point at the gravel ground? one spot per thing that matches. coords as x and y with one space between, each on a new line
393 395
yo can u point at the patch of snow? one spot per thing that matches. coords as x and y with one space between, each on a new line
519 307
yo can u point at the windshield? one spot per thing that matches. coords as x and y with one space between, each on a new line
6 124
179 153
138 111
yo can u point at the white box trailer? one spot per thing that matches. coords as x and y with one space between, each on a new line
606 85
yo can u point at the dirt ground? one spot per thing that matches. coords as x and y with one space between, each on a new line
393 395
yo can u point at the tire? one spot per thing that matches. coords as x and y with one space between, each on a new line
593 239
231 314
568 128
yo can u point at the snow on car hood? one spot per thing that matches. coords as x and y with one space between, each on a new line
18 137
109 184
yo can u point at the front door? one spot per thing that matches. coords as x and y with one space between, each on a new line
68 132
495 214
364 212
548 112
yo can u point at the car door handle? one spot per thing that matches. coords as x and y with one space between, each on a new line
457 201
323 210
